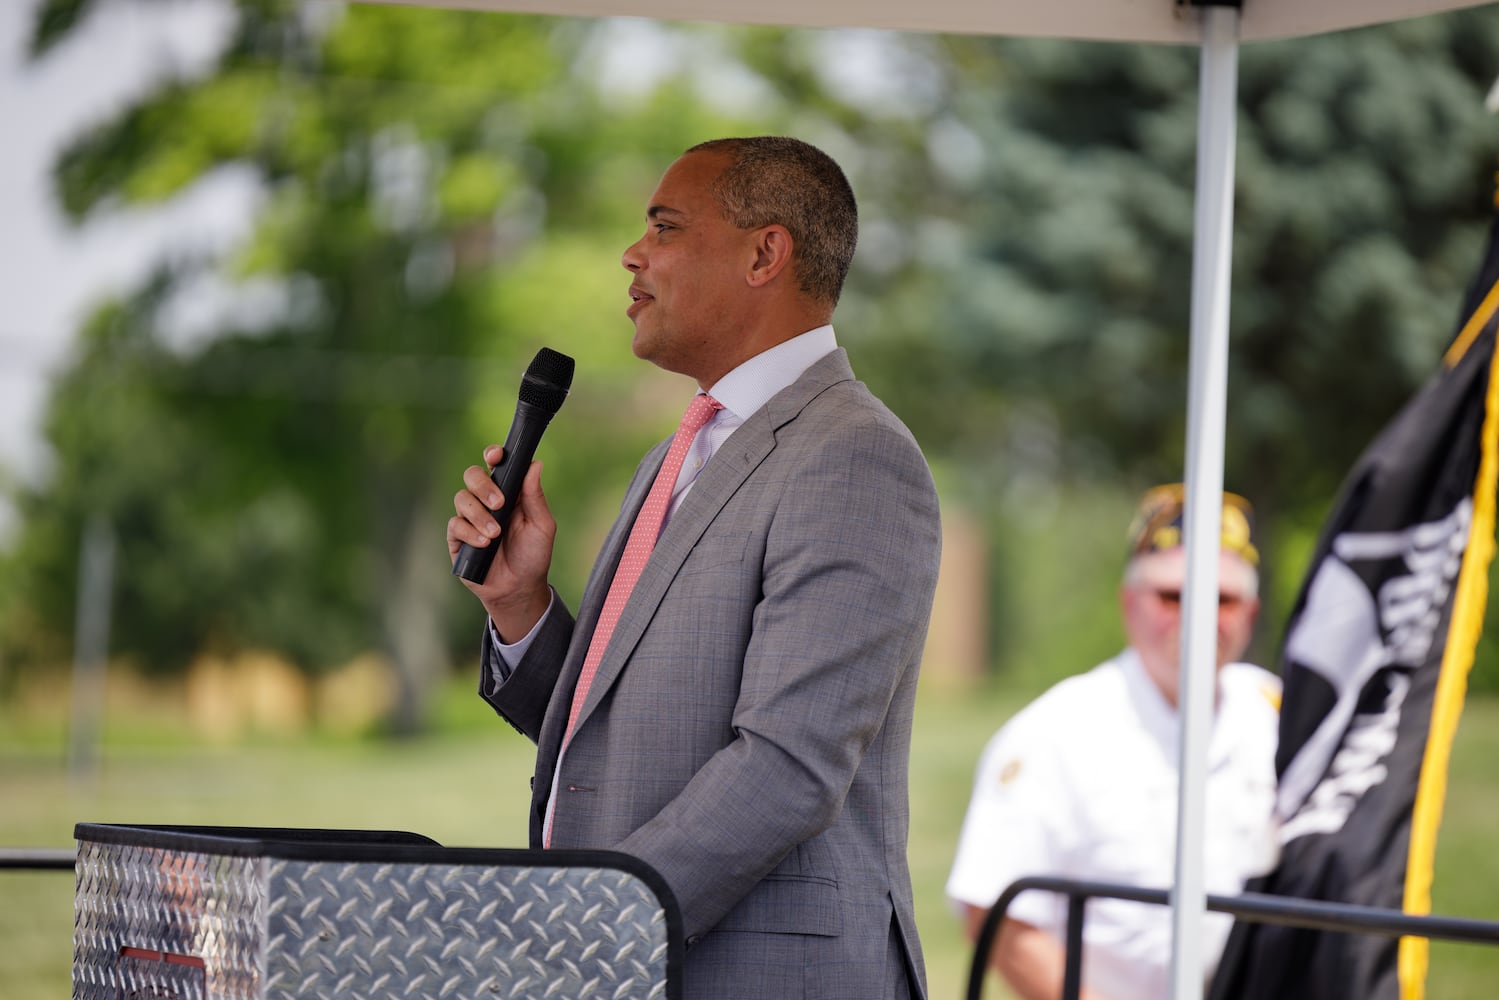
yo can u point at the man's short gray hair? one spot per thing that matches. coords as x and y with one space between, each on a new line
777 180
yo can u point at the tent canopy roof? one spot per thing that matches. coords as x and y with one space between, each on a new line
1111 20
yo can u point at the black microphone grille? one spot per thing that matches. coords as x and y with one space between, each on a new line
552 366
547 380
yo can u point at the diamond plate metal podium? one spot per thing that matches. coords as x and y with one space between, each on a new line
234 913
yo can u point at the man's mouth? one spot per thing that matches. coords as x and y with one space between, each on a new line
638 301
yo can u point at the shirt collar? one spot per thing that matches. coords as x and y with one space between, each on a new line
1161 718
747 388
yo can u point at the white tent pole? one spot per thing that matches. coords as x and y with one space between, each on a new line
1207 392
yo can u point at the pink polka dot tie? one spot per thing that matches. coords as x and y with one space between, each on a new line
638 548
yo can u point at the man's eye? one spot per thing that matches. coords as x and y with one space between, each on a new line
661 227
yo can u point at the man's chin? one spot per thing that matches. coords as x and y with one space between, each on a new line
641 345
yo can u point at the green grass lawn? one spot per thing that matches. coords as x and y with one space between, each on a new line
470 789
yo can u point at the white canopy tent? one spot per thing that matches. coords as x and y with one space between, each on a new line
1217 26
1103 20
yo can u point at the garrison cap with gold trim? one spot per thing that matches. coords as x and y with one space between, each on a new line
1159 523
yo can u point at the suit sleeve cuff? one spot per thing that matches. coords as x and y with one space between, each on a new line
507 655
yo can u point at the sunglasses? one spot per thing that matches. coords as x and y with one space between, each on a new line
1173 598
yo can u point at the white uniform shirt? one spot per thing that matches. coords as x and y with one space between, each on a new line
1082 783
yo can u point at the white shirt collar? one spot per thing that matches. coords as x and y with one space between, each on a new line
750 386
1156 712
1161 718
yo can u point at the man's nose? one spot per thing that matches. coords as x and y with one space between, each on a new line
632 259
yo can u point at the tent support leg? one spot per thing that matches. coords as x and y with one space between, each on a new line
1207 391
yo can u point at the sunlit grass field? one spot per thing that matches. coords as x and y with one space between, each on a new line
468 788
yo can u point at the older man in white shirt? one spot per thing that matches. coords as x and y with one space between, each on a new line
1082 783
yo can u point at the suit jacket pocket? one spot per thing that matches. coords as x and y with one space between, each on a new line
788 904
714 552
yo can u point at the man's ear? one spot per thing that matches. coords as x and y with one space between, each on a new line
772 249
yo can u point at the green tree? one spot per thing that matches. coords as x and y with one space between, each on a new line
1364 186
447 191
289 474
1041 274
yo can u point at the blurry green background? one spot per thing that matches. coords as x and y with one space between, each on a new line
276 639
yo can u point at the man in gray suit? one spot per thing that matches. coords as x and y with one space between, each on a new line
743 724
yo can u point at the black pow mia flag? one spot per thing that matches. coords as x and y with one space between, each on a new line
1375 665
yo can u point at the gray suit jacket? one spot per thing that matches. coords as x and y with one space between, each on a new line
748 731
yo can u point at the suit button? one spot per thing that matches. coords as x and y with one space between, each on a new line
694 939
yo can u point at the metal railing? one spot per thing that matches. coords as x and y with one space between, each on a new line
37 858
1254 907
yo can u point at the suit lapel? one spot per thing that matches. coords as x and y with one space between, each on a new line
724 474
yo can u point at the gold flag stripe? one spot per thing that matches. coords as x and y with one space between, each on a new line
1473 327
1457 660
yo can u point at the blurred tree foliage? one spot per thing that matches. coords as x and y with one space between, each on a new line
283 479
1052 252
1045 280
447 191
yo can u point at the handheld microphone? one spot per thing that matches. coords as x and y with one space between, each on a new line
542 390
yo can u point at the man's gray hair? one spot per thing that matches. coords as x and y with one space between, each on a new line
777 180
1242 576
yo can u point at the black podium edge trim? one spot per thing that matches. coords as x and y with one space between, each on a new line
240 841
396 846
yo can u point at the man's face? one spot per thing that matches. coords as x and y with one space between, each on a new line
1152 603
687 296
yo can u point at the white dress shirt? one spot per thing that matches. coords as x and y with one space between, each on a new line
1082 783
